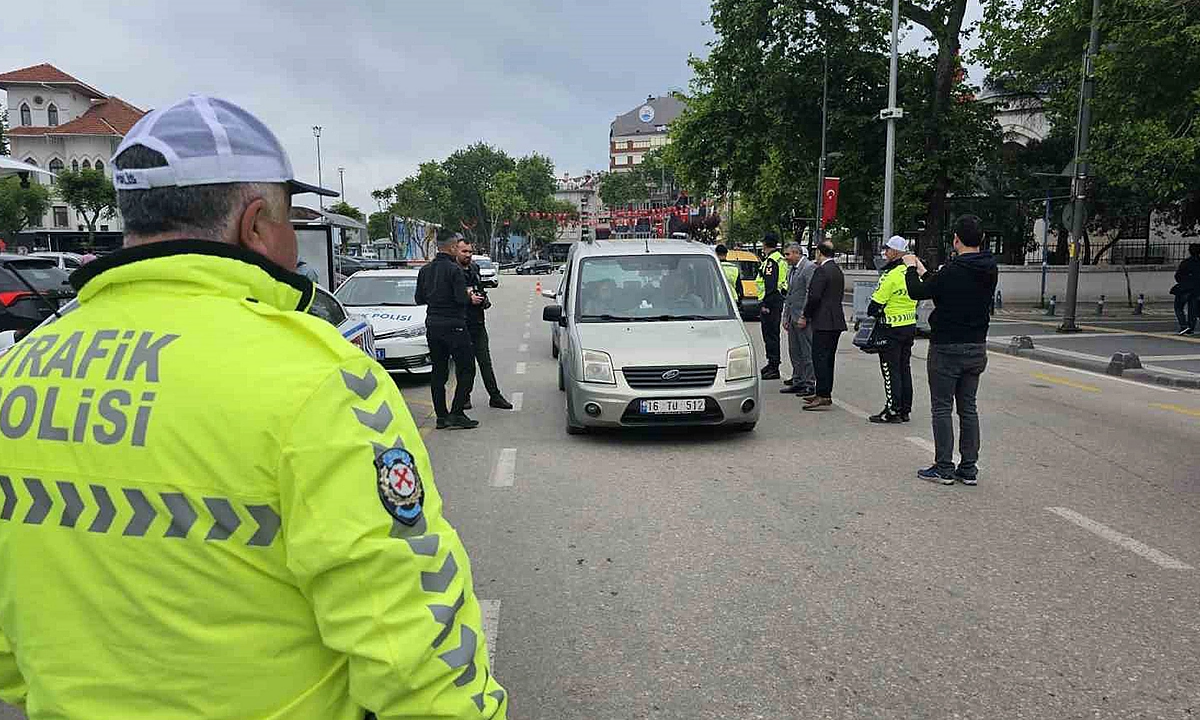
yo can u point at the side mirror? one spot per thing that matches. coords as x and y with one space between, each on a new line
554 314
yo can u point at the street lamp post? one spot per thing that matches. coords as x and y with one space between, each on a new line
342 180
317 135
1079 184
817 235
891 114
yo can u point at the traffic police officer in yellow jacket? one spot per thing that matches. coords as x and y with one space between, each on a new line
772 287
213 506
897 312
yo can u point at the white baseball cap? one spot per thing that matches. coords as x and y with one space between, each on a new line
208 141
897 243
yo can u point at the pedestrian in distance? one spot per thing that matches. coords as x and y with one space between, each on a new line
962 292
772 285
823 313
896 314
477 329
442 286
1187 291
803 381
225 508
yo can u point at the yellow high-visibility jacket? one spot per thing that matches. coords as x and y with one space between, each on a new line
212 506
898 309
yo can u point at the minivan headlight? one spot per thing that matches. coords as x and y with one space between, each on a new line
598 368
739 365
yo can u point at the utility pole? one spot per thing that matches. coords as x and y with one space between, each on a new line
817 235
891 114
317 135
1079 183
342 179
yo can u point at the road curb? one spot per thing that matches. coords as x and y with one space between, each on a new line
1104 367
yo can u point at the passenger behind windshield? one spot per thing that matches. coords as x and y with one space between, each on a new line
651 287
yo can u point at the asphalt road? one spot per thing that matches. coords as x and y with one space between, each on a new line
803 571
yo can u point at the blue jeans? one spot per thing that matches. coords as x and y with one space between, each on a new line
954 372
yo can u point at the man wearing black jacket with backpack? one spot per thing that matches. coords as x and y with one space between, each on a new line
962 292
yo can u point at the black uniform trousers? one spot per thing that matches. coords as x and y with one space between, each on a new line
772 316
895 362
825 344
446 343
483 357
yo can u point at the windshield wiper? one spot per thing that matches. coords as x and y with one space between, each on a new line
610 318
680 317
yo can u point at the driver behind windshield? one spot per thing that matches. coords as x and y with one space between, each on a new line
677 298
602 299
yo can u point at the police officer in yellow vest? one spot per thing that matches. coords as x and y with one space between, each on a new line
772 287
897 312
731 271
213 506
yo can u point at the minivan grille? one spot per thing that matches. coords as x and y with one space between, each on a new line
687 376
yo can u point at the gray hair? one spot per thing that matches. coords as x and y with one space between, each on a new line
795 246
208 212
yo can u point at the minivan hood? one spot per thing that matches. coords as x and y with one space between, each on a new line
700 342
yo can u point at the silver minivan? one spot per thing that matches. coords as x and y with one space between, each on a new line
648 335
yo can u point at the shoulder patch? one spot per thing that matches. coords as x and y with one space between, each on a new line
399 485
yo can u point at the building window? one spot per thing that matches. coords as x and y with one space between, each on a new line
60 217
52 115
56 166
103 228
74 166
100 166
26 116
87 165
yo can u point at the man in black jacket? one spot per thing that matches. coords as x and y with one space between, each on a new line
823 313
442 286
477 329
962 293
1187 291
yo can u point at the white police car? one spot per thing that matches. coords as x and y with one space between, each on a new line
489 273
387 299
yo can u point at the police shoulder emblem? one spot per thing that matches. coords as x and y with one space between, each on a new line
399 485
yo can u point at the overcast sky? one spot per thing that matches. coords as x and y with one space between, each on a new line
392 84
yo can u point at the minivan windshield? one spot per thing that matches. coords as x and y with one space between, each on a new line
641 288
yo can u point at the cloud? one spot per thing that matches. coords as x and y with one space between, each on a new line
392 84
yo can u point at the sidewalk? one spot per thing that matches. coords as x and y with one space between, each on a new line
1165 358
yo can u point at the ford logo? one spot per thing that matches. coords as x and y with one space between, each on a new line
670 375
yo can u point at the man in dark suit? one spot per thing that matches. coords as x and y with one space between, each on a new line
823 312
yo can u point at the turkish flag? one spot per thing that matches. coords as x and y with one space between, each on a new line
829 198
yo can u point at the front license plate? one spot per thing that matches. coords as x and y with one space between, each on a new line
380 354
671 407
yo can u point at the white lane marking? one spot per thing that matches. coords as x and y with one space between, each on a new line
1064 368
525 336
518 401
861 414
1168 358
506 468
490 610
527 325
520 368
523 347
928 445
1134 546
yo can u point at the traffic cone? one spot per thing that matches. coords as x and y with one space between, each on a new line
537 289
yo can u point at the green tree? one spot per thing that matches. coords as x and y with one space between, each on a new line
379 225
1144 147
342 207
621 189
21 206
504 199
469 175
535 179
91 194
382 197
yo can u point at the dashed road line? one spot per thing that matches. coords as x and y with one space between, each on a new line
861 414
520 368
526 335
523 347
506 468
1065 382
1134 546
1176 408
518 401
929 446
490 610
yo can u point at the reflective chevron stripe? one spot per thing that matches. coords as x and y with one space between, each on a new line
227 516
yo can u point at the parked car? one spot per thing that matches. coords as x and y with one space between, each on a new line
354 328
535 267
748 300
31 290
387 299
649 336
347 265
488 272
65 260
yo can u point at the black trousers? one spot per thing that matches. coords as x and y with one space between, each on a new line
771 317
483 357
825 344
896 365
446 343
